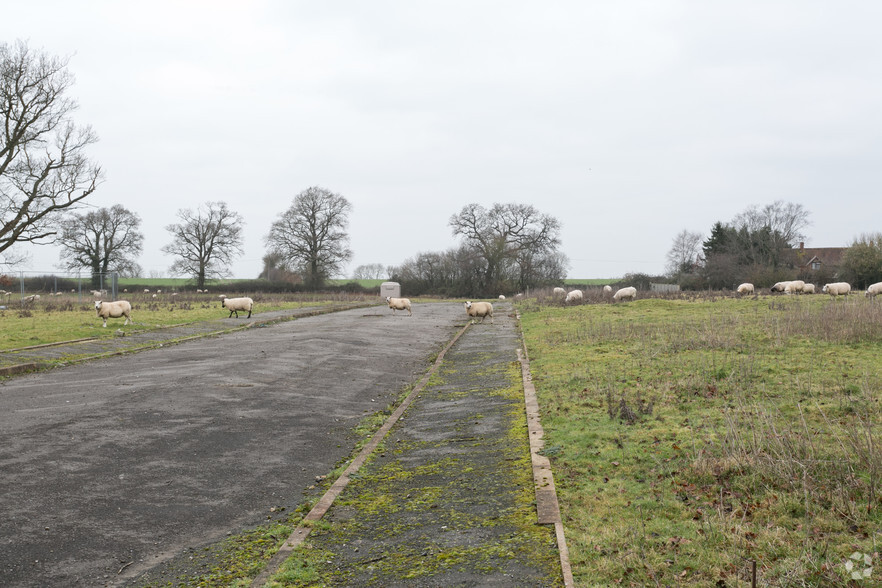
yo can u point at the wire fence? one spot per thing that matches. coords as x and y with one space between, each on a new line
25 287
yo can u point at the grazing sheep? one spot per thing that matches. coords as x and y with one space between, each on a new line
607 289
559 292
808 289
399 304
837 289
221 296
30 299
745 288
479 309
146 290
237 304
873 289
114 310
198 291
502 296
794 287
779 286
629 293
574 296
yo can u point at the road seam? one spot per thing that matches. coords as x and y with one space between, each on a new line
302 531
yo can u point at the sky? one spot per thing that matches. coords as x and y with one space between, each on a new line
629 121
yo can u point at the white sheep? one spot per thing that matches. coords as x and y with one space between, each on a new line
574 296
607 289
116 309
146 290
873 289
794 287
779 286
559 292
237 304
502 296
629 293
479 309
745 288
399 304
808 289
837 289
30 299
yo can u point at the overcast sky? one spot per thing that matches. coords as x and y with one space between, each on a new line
628 121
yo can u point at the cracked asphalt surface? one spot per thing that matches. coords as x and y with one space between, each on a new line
113 466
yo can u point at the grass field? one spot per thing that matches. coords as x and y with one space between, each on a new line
693 437
70 316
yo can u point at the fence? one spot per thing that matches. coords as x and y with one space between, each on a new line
32 284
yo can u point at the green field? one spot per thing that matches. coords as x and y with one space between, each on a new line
70 316
692 437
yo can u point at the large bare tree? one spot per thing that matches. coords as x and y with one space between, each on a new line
43 166
205 242
101 240
311 235
503 235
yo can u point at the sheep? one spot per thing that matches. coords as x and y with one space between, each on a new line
794 287
116 309
502 296
237 304
479 309
779 286
873 289
574 296
30 299
629 293
808 289
837 289
198 291
745 288
559 292
146 290
399 304
607 289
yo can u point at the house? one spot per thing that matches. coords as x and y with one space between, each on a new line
816 261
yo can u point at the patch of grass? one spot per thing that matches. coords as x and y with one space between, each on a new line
69 317
694 436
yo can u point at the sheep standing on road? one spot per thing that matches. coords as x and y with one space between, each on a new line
629 293
574 296
237 304
745 288
837 289
114 310
399 304
479 309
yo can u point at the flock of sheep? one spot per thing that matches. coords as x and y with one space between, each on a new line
474 310
627 293
800 287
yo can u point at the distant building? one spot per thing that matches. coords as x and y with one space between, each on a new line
817 260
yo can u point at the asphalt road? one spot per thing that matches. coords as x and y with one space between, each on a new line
123 463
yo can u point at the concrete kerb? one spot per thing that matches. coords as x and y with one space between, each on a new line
32 366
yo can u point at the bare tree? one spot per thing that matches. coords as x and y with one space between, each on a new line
785 222
205 242
370 271
102 240
685 253
43 166
312 236
502 234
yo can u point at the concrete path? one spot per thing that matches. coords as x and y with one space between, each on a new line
448 498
